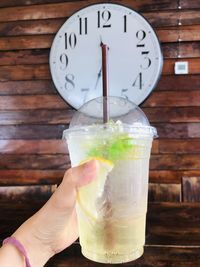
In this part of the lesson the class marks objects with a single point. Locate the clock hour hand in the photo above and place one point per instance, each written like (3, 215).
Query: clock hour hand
(98, 78)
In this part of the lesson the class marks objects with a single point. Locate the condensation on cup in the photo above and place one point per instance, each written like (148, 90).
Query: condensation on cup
(112, 208)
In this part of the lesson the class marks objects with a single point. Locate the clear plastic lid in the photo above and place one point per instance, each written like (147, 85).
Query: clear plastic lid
(122, 113)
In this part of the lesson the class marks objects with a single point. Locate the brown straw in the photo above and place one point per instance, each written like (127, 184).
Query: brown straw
(104, 49)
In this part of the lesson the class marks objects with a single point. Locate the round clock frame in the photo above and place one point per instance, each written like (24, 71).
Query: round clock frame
(134, 54)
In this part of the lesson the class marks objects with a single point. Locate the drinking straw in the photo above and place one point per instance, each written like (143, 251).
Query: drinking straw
(104, 50)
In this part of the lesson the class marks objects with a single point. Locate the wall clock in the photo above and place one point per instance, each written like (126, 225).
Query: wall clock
(134, 57)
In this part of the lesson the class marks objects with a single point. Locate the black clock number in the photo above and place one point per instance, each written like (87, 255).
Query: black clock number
(123, 93)
(140, 36)
(63, 61)
(69, 78)
(146, 63)
(103, 19)
(125, 23)
(83, 26)
(147, 59)
(69, 84)
(138, 81)
(70, 40)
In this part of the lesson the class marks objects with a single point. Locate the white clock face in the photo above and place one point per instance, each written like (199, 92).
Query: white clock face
(134, 55)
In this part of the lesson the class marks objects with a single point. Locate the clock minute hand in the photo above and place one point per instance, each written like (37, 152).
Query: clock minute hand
(100, 71)
(98, 78)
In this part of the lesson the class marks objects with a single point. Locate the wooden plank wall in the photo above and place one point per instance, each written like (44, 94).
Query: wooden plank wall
(33, 115)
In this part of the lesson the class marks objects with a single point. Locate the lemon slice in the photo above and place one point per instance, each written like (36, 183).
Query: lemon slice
(87, 195)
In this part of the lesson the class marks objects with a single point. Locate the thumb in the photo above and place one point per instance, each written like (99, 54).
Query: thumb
(65, 195)
(82, 174)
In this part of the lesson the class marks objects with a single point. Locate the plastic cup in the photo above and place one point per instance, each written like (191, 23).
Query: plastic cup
(112, 209)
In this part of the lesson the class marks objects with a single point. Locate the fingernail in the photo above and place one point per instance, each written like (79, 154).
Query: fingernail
(91, 166)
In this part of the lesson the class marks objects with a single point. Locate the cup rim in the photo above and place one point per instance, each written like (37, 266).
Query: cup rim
(142, 130)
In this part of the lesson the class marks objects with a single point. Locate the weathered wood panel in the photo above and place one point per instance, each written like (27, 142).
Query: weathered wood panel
(142, 4)
(178, 130)
(173, 99)
(179, 146)
(17, 212)
(30, 177)
(157, 192)
(173, 224)
(169, 18)
(35, 12)
(34, 147)
(155, 147)
(27, 177)
(181, 50)
(157, 99)
(61, 161)
(189, 33)
(36, 177)
(30, 27)
(32, 102)
(34, 162)
(22, 193)
(173, 114)
(36, 116)
(11, 3)
(179, 33)
(32, 131)
(193, 64)
(26, 42)
(48, 131)
(189, 4)
(63, 10)
(175, 162)
(164, 192)
(24, 57)
(60, 115)
(29, 87)
(179, 83)
(171, 176)
(189, 49)
(191, 189)
(24, 72)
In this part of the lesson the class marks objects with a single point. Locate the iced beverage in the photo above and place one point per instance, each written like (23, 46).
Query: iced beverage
(112, 209)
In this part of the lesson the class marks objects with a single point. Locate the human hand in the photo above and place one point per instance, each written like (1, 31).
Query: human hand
(54, 226)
